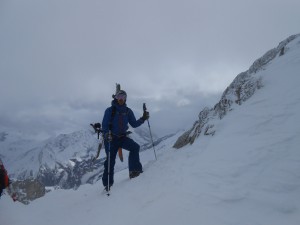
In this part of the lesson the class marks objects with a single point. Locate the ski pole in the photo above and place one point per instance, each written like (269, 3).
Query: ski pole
(144, 108)
(108, 174)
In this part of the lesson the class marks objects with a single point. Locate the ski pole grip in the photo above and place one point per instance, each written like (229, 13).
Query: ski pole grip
(144, 107)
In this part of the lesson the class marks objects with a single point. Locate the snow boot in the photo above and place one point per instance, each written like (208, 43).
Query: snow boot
(106, 188)
(133, 174)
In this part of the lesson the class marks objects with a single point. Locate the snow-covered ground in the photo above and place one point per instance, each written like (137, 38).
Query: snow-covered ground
(248, 173)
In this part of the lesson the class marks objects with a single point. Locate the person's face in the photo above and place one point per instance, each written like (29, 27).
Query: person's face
(121, 99)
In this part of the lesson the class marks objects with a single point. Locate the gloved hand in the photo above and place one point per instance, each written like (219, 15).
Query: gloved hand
(108, 137)
(145, 116)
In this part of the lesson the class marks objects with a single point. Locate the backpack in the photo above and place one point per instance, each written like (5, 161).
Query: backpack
(4, 181)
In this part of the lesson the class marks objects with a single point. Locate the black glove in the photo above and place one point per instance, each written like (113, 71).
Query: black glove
(145, 116)
(108, 137)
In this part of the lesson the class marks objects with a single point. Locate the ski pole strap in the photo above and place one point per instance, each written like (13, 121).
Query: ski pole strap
(113, 112)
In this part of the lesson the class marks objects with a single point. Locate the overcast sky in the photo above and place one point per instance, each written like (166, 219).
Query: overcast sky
(60, 59)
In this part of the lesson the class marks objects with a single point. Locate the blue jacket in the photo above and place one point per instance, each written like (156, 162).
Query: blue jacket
(123, 115)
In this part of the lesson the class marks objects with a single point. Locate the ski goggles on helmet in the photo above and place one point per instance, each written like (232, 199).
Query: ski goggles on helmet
(121, 96)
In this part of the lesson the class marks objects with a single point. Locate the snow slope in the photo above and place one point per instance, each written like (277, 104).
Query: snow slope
(248, 173)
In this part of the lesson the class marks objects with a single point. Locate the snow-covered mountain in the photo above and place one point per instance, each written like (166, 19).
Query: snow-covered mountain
(239, 91)
(25, 157)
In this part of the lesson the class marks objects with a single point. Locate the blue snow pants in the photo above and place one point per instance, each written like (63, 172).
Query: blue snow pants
(128, 144)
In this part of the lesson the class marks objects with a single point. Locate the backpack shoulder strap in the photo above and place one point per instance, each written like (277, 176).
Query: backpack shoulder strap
(113, 113)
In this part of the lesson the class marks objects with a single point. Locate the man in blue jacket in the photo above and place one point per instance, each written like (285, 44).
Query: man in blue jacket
(114, 126)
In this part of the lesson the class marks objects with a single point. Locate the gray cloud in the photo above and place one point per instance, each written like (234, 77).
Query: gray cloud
(60, 60)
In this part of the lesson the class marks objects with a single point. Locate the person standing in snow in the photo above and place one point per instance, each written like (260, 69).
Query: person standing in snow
(114, 127)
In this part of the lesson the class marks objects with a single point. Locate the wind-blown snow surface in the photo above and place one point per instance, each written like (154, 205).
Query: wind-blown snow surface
(248, 173)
